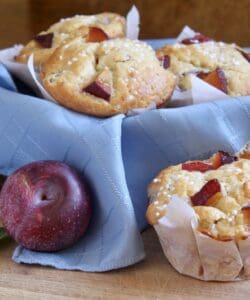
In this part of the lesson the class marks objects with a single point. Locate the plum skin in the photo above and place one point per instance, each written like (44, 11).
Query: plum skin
(45, 206)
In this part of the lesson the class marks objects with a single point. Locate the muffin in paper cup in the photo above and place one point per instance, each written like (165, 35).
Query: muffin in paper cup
(28, 68)
(201, 213)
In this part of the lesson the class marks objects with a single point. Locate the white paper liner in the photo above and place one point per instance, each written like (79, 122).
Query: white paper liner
(181, 98)
(133, 23)
(204, 92)
(197, 255)
(244, 249)
(25, 72)
(186, 33)
(36, 78)
(7, 58)
(220, 260)
(177, 239)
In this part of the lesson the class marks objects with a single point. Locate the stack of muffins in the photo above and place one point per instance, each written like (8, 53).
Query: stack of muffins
(87, 64)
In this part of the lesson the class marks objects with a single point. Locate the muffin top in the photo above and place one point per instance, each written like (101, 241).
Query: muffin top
(106, 78)
(92, 28)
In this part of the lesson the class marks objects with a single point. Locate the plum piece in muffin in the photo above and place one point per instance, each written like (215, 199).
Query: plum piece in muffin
(218, 189)
(92, 28)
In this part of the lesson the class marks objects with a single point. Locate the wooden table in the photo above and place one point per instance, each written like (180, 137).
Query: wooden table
(153, 278)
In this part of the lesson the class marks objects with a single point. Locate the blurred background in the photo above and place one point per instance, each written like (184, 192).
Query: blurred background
(227, 20)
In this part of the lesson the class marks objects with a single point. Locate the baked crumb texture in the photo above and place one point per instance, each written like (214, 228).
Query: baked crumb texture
(220, 196)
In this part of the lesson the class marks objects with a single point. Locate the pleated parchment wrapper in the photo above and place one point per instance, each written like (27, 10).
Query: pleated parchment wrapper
(197, 255)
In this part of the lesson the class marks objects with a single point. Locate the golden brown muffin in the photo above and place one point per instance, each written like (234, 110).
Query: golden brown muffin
(92, 28)
(218, 190)
(222, 65)
(106, 78)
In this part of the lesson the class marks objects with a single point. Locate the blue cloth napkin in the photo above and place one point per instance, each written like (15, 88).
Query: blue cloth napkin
(119, 156)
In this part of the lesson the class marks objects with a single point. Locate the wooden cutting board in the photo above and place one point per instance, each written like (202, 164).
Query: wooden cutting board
(153, 278)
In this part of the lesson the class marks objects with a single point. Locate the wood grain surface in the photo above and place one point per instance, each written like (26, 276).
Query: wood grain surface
(153, 278)
(226, 20)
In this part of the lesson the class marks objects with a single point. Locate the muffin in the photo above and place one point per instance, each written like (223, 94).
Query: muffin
(92, 28)
(215, 193)
(106, 78)
(225, 66)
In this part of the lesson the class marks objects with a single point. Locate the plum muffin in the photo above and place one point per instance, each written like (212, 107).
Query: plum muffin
(92, 28)
(225, 66)
(107, 78)
(218, 189)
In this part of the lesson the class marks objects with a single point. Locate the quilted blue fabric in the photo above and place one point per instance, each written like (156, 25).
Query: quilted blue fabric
(118, 155)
